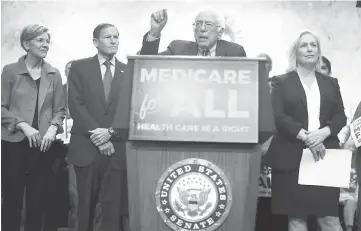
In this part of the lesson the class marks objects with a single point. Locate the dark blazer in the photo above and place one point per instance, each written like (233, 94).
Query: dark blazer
(18, 100)
(89, 109)
(181, 47)
(290, 114)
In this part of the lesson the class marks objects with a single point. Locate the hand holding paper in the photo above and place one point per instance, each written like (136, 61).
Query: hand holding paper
(332, 171)
(318, 152)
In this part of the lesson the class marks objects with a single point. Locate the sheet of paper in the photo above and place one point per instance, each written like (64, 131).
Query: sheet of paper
(332, 171)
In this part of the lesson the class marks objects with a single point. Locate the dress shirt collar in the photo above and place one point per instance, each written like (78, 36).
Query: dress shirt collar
(102, 60)
(212, 50)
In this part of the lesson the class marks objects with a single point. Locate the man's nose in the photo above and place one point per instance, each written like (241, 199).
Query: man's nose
(203, 27)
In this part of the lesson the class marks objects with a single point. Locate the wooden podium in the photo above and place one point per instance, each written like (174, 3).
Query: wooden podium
(178, 109)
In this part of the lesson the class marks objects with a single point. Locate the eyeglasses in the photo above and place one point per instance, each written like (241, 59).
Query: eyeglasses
(42, 41)
(207, 25)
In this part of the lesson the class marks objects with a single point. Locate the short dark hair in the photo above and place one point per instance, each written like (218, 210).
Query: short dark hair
(327, 63)
(101, 26)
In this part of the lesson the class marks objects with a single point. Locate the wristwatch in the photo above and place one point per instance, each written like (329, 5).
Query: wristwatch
(111, 131)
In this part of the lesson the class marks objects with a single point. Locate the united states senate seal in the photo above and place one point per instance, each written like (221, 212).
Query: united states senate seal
(193, 194)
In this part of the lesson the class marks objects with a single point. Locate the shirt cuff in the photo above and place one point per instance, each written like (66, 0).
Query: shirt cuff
(344, 134)
(151, 38)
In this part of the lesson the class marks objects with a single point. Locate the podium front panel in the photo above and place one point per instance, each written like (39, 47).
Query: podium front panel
(148, 161)
(153, 150)
(197, 100)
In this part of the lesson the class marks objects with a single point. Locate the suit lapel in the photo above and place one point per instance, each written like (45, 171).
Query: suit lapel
(322, 88)
(118, 77)
(357, 112)
(299, 88)
(96, 79)
(192, 49)
(219, 49)
(45, 83)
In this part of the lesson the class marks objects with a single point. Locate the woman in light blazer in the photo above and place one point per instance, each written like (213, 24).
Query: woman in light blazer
(32, 113)
(309, 113)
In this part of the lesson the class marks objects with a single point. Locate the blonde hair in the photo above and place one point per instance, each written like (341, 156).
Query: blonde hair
(32, 31)
(292, 57)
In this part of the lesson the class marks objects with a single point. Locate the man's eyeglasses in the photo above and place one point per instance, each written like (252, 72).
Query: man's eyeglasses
(42, 41)
(207, 25)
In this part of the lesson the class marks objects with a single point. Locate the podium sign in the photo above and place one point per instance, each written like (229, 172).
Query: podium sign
(201, 100)
(221, 108)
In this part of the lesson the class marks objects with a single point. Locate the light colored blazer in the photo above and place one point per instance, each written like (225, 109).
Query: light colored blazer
(18, 100)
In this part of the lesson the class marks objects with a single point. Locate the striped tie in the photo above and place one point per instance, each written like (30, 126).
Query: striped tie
(107, 80)
(206, 52)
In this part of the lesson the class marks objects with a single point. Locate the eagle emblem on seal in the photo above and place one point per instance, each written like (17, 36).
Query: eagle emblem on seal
(192, 201)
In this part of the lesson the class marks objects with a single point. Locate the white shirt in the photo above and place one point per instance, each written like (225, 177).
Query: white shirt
(103, 68)
(313, 105)
(212, 51)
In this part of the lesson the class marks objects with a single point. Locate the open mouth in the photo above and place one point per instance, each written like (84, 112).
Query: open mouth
(203, 38)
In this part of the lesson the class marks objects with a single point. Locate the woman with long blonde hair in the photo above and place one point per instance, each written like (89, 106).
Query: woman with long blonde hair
(309, 113)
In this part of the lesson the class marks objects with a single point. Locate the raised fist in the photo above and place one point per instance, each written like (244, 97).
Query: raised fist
(158, 20)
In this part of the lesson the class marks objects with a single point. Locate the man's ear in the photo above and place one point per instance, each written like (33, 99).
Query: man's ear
(220, 32)
(95, 42)
(26, 45)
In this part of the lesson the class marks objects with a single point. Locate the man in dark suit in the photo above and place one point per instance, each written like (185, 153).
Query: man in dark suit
(99, 165)
(208, 28)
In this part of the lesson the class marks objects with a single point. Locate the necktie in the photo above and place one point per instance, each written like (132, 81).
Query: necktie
(206, 52)
(107, 80)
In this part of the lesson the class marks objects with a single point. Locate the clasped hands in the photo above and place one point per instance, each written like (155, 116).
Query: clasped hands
(100, 137)
(34, 136)
(314, 141)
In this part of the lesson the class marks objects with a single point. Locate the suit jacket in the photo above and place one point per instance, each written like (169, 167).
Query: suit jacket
(290, 113)
(18, 100)
(181, 47)
(89, 109)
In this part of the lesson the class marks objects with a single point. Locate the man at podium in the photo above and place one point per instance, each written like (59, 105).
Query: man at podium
(208, 27)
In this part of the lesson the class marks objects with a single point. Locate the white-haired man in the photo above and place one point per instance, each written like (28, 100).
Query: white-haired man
(208, 27)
